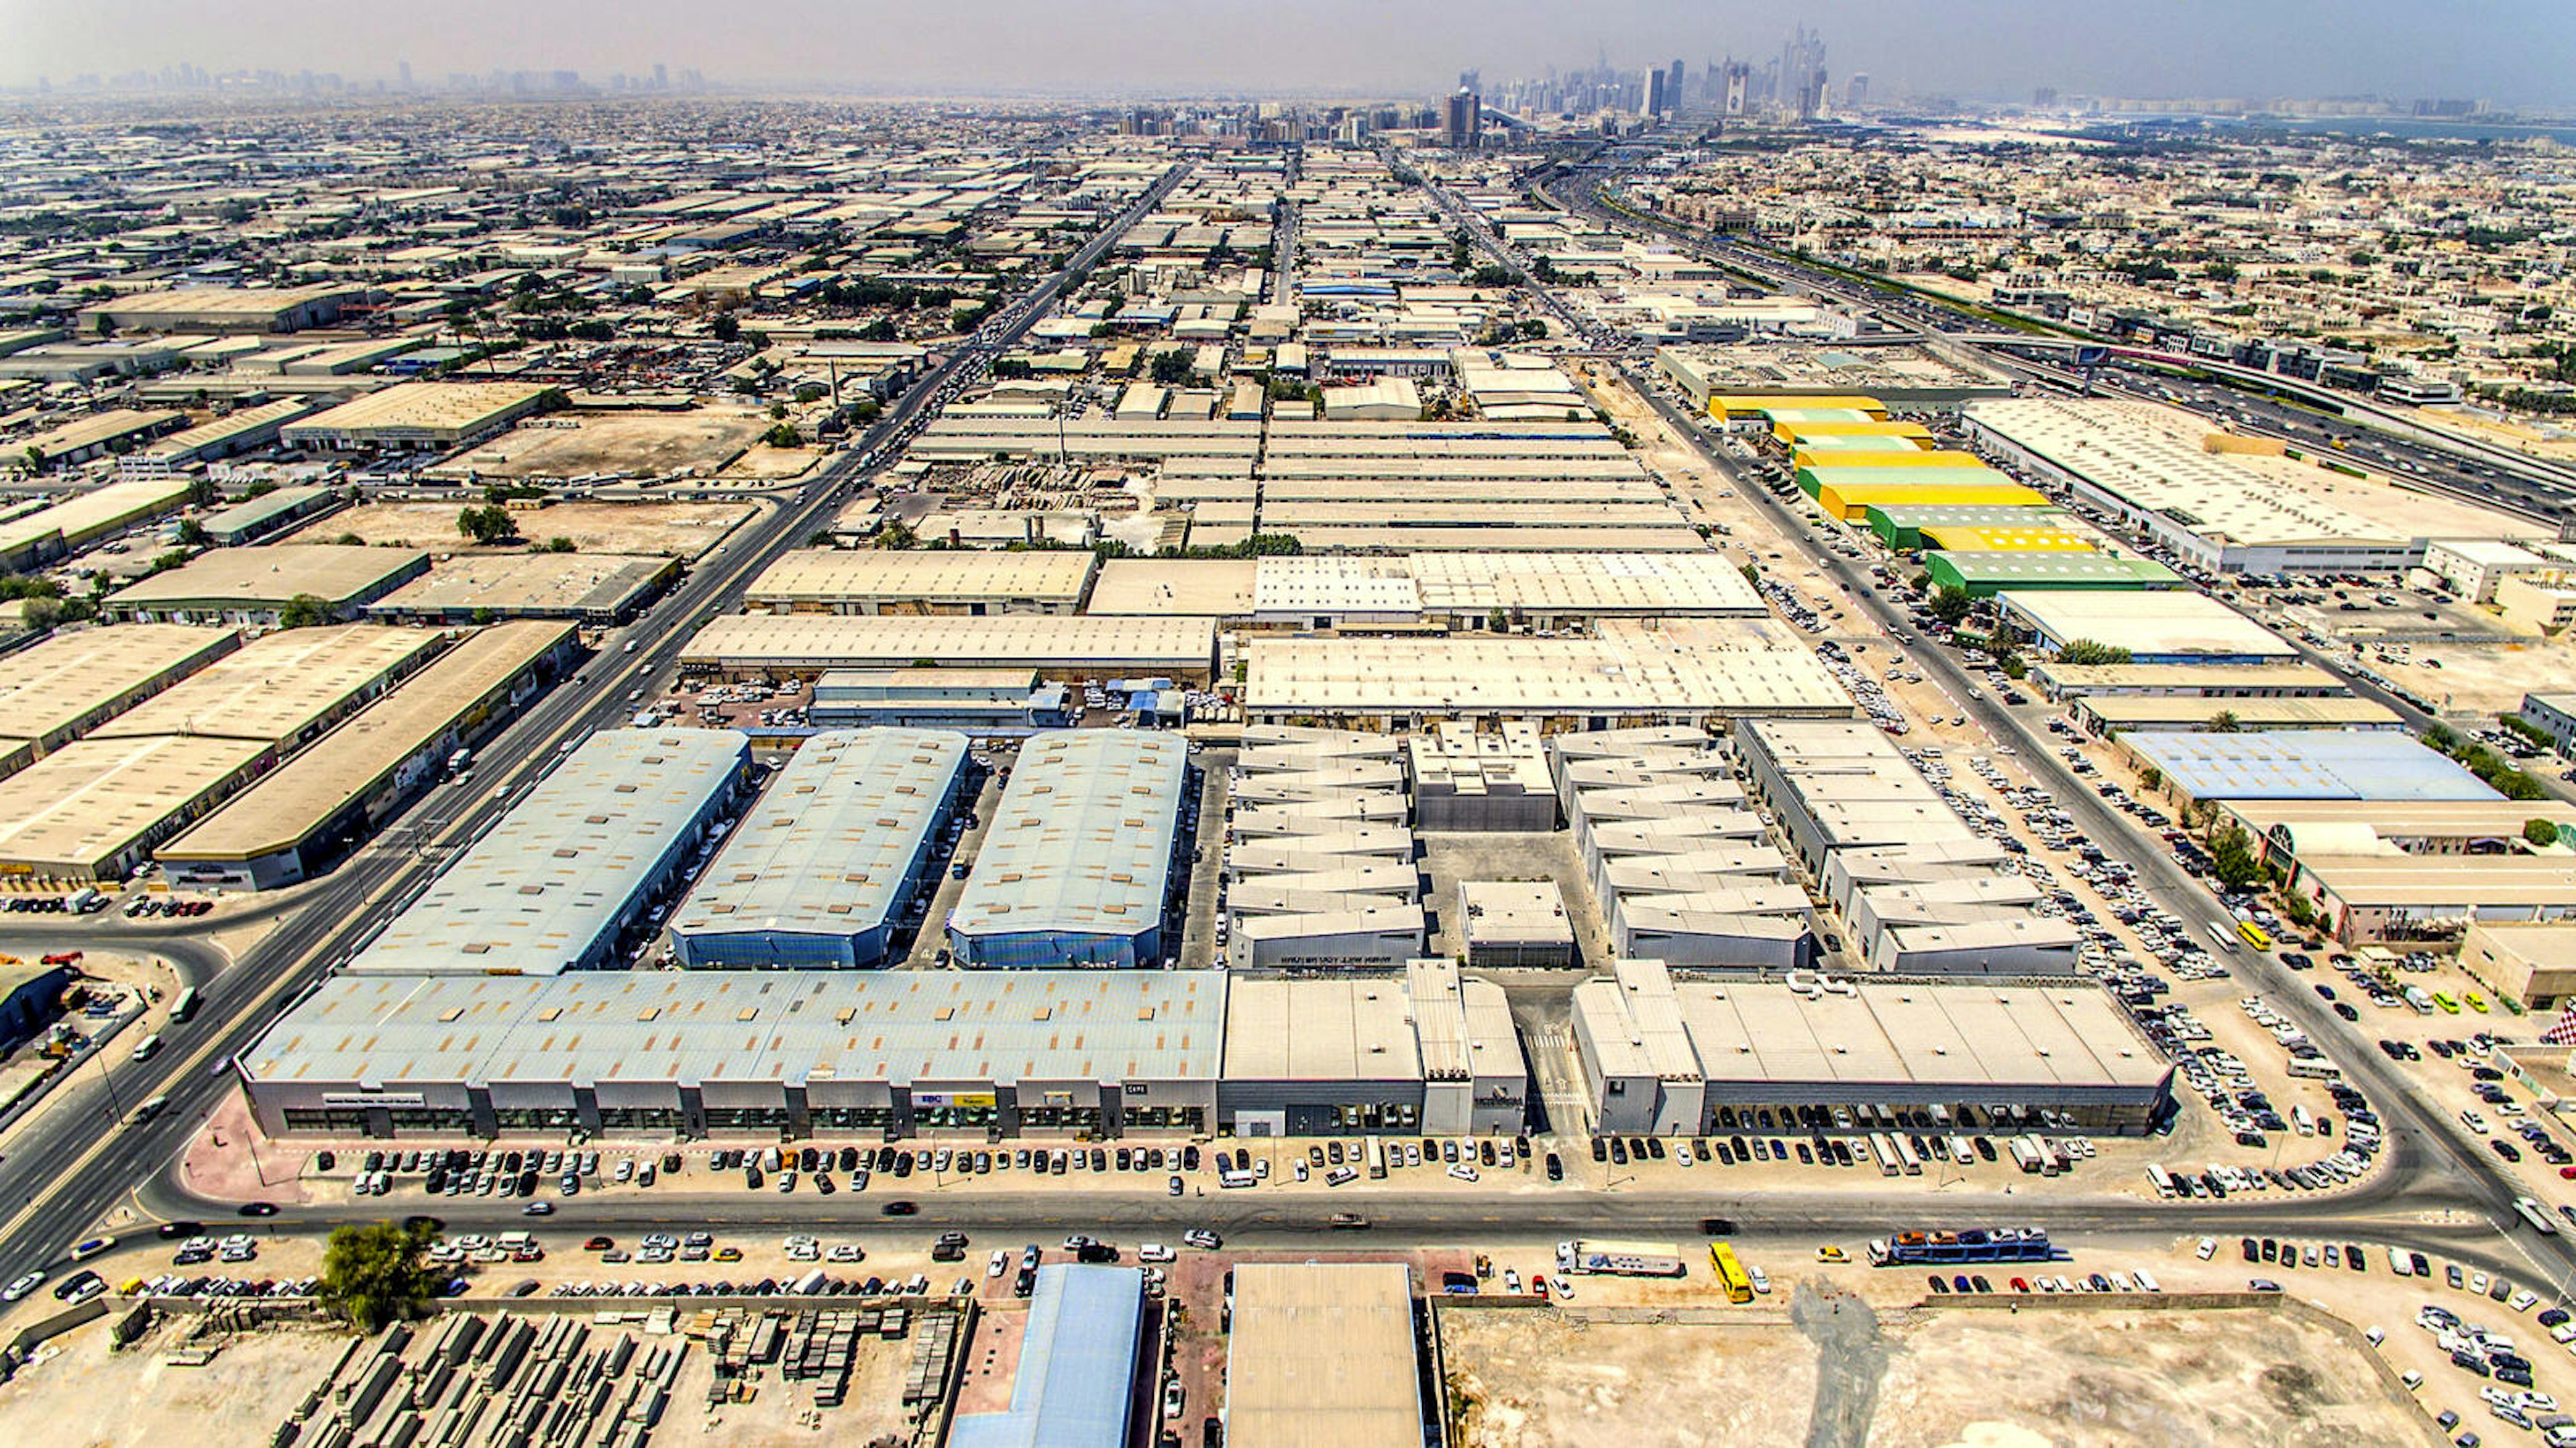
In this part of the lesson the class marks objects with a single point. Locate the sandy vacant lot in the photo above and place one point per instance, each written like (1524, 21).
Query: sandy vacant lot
(681, 529)
(83, 1396)
(1836, 1375)
(630, 444)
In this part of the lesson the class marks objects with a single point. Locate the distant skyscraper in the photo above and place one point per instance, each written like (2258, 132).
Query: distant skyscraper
(1655, 93)
(1856, 90)
(661, 76)
(1739, 80)
(1465, 122)
(403, 69)
(2044, 98)
(1471, 80)
(1674, 76)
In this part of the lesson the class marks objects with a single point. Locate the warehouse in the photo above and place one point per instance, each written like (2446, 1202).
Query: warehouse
(1218, 588)
(238, 431)
(76, 522)
(1983, 574)
(2158, 626)
(1318, 863)
(572, 871)
(1466, 779)
(1898, 374)
(252, 519)
(772, 646)
(1076, 866)
(93, 809)
(1849, 493)
(418, 415)
(1323, 1353)
(1074, 1385)
(2060, 680)
(825, 868)
(2374, 765)
(1424, 1051)
(2156, 470)
(252, 587)
(2002, 538)
(1628, 673)
(55, 691)
(597, 589)
(1088, 440)
(282, 690)
(764, 1056)
(1900, 525)
(97, 434)
(302, 817)
(2420, 901)
(225, 309)
(2287, 831)
(982, 702)
(2532, 965)
(1515, 925)
(2103, 715)
(972, 582)
(1691, 1055)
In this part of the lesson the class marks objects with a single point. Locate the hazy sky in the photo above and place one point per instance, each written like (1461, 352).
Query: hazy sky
(2512, 51)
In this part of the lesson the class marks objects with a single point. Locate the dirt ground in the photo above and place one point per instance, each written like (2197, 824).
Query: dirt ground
(2098, 1379)
(768, 463)
(681, 529)
(80, 1395)
(637, 445)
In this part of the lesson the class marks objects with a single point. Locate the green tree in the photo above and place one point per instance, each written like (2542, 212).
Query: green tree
(727, 327)
(488, 524)
(783, 435)
(35, 457)
(1171, 368)
(192, 534)
(2543, 833)
(376, 1274)
(2151, 778)
(2231, 854)
(305, 610)
(1952, 605)
(557, 545)
(897, 535)
(2224, 722)
(2089, 651)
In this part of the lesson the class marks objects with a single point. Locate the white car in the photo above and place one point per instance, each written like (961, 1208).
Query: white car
(1761, 1280)
(1154, 1252)
(2208, 1247)
(999, 1263)
(1463, 1172)
(22, 1287)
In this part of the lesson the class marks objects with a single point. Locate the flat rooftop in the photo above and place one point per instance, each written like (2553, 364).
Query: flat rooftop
(1322, 1355)
(1894, 1032)
(905, 1028)
(1709, 669)
(1335, 1029)
(294, 803)
(1116, 646)
(279, 687)
(93, 799)
(411, 408)
(269, 576)
(1174, 587)
(561, 585)
(2374, 764)
(831, 843)
(1081, 840)
(823, 576)
(51, 686)
(2150, 624)
(539, 891)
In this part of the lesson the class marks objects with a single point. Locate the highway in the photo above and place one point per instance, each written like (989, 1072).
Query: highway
(61, 1173)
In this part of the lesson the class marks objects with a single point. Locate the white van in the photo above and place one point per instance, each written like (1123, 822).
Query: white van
(148, 1047)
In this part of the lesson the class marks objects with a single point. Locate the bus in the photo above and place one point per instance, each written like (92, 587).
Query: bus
(1376, 1159)
(2253, 935)
(1884, 1149)
(2225, 937)
(1906, 1157)
(2163, 1180)
(2538, 1219)
(184, 1006)
(1730, 1273)
(2309, 1068)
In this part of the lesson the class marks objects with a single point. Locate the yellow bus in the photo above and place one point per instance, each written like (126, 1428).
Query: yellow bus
(2254, 935)
(1730, 1273)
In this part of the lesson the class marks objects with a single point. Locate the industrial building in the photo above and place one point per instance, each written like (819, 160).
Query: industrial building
(252, 587)
(1080, 1351)
(282, 690)
(746, 646)
(1689, 1055)
(2177, 626)
(54, 691)
(252, 519)
(1323, 1355)
(1628, 673)
(304, 815)
(2532, 965)
(982, 702)
(412, 416)
(96, 434)
(1466, 591)
(1677, 860)
(971, 582)
(1900, 525)
(1467, 779)
(2061, 681)
(1929, 900)
(695, 1054)
(1423, 1052)
(572, 871)
(2103, 715)
(597, 589)
(67, 527)
(1076, 865)
(827, 865)
(2157, 471)
(1319, 865)
(225, 309)
(1515, 925)
(2302, 764)
(92, 810)
(1984, 573)
(1900, 375)
(2552, 714)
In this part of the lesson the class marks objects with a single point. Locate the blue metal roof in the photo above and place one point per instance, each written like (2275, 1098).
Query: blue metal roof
(2370, 764)
(1077, 1372)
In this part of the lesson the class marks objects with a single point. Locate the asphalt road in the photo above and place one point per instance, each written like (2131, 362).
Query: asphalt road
(62, 1173)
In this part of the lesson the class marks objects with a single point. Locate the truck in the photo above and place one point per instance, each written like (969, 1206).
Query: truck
(1968, 1244)
(2417, 997)
(1597, 1256)
(2026, 1154)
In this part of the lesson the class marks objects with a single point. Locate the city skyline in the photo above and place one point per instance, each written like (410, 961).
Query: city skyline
(1987, 48)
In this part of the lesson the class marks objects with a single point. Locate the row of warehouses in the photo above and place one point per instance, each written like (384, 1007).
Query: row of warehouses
(1319, 855)
(134, 733)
